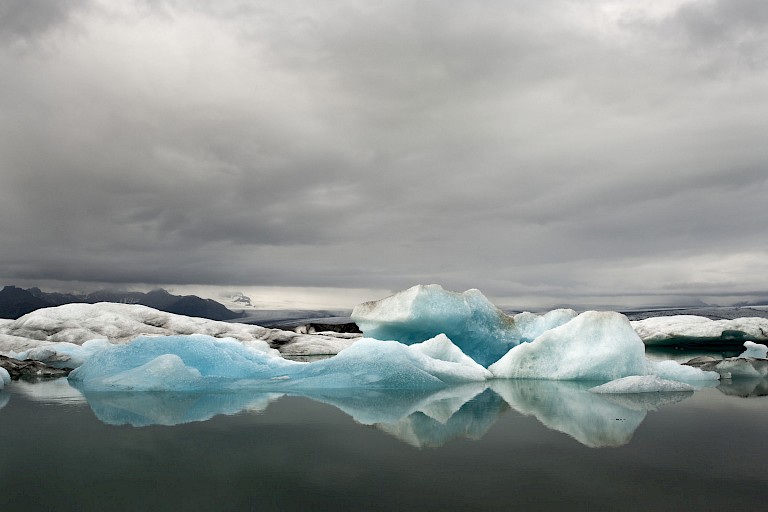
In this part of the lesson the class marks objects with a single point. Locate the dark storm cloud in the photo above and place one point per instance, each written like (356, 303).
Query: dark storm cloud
(559, 148)
(27, 19)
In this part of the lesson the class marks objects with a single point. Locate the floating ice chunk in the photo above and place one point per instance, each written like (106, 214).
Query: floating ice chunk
(195, 363)
(691, 329)
(641, 384)
(671, 370)
(477, 327)
(593, 346)
(5, 377)
(740, 367)
(732, 367)
(216, 363)
(755, 350)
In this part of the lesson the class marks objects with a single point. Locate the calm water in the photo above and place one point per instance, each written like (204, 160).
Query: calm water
(538, 445)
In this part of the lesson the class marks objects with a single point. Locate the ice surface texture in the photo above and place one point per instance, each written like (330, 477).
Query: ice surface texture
(469, 319)
(194, 363)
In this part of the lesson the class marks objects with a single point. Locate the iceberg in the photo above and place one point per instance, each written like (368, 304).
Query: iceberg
(754, 350)
(76, 324)
(732, 367)
(697, 330)
(480, 329)
(593, 346)
(672, 370)
(197, 363)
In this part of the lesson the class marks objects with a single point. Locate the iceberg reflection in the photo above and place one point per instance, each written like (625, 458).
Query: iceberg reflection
(590, 419)
(424, 419)
(169, 408)
(430, 429)
(744, 388)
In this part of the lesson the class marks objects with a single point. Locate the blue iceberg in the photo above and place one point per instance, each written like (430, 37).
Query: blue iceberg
(198, 362)
(479, 328)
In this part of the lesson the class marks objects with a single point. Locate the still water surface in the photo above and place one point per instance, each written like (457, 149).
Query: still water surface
(511, 444)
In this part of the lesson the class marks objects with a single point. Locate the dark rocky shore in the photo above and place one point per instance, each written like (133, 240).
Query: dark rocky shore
(31, 370)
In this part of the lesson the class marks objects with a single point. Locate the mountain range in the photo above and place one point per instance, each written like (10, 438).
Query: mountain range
(16, 302)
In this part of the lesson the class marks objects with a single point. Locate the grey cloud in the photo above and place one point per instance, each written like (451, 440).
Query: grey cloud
(500, 145)
(27, 19)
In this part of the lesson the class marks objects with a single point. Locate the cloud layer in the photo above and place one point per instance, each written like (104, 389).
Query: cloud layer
(560, 148)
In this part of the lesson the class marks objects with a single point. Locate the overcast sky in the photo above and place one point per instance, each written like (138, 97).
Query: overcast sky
(547, 151)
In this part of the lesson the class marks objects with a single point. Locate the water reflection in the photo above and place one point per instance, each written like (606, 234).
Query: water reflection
(568, 407)
(424, 419)
(424, 429)
(744, 388)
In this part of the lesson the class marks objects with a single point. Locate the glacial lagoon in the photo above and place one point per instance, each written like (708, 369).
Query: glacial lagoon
(497, 445)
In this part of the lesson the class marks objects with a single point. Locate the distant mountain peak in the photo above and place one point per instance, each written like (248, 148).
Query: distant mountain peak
(16, 302)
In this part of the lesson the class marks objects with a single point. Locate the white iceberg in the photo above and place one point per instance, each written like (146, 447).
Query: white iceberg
(672, 370)
(120, 323)
(691, 329)
(641, 384)
(593, 346)
(469, 319)
(755, 350)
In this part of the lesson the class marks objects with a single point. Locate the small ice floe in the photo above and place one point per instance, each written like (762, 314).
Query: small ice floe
(751, 363)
